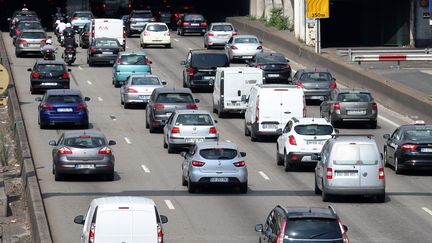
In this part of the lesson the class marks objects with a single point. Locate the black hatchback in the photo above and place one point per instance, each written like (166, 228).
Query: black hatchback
(49, 75)
(103, 50)
(275, 67)
(192, 23)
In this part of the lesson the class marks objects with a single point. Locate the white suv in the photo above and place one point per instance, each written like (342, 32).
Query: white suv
(300, 139)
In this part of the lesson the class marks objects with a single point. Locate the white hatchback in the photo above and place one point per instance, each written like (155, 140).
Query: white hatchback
(155, 34)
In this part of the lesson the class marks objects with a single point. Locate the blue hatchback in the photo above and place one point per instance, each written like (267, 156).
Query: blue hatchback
(129, 63)
(63, 106)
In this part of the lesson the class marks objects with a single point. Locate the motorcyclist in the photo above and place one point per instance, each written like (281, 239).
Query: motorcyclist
(61, 26)
(48, 47)
(69, 31)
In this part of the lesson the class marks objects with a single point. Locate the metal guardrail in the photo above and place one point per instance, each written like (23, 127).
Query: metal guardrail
(345, 52)
(390, 57)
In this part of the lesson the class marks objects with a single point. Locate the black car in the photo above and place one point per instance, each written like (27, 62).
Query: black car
(192, 23)
(409, 147)
(19, 15)
(165, 17)
(137, 20)
(302, 224)
(26, 25)
(200, 68)
(49, 75)
(103, 50)
(84, 37)
(275, 67)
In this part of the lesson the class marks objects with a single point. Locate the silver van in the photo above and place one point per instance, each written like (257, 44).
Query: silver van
(350, 165)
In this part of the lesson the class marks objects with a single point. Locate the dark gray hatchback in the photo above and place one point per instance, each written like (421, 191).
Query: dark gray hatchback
(316, 82)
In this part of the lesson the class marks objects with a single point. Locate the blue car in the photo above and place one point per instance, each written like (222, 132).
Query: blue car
(63, 106)
(129, 63)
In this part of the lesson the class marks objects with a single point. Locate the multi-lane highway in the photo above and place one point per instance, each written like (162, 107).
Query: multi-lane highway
(144, 168)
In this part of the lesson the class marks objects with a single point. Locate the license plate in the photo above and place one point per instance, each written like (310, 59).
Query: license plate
(317, 98)
(48, 84)
(233, 104)
(34, 45)
(314, 142)
(346, 173)
(217, 179)
(208, 77)
(356, 112)
(157, 40)
(107, 52)
(195, 24)
(64, 110)
(247, 57)
(270, 126)
(84, 166)
(194, 140)
(273, 75)
(426, 150)
(143, 97)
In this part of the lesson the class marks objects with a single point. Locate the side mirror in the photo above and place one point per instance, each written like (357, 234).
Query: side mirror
(333, 79)
(164, 82)
(243, 98)
(260, 41)
(164, 219)
(69, 70)
(386, 136)
(287, 60)
(52, 143)
(279, 131)
(183, 62)
(315, 157)
(151, 62)
(86, 98)
(197, 101)
(243, 154)
(215, 121)
(112, 142)
(336, 130)
(238, 92)
(345, 228)
(29, 69)
(259, 228)
(38, 99)
(183, 154)
(79, 219)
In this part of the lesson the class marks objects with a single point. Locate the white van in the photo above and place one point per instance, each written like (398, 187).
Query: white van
(231, 88)
(109, 28)
(270, 106)
(122, 219)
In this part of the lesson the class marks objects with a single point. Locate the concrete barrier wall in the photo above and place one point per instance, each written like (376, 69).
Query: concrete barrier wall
(389, 93)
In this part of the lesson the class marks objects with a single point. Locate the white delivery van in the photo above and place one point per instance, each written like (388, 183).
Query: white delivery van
(109, 28)
(122, 219)
(270, 106)
(231, 88)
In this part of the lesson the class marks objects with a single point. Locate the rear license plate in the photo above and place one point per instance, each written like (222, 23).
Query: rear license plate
(314, 142)
(217, 179)
(48, 84)
(64, 110)
(194, 24)
(143, 97)
(272, 75)
(84, 166)
(247, 57)
(426, 150)
(270, 126)
(194, 140)
(233, 104)
(346, 173)
(107, 52)
(317, 98)
(34, 45)
(356, 112)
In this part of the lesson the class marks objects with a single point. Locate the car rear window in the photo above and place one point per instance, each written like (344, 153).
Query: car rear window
(133, 60)
(316, 77)
(109, 43)
(83, 15)
(354, 97)
(165, 14)
(314, 129)
(50, 68)
(246, 40)
(419, 134)
(312, 228)
(193, 17)
(27, 25)
(85, 142)
(157, 27)
(142, 15)
(194, 120)
(220, 27)
(33, 35)
(218, 153)
(63, 99)
(355, 154)
(210, 60)
(269, 59)
(175, 98)
(27, 17)
(145, 81)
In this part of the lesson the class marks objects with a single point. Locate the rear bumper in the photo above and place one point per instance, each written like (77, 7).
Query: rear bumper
(34, 50)
(217, 41)
(136, 98)
(236, 178)
(317, 94)
(194, 29)
(46, 119)
(49, 84)
(70, 168)
(271, 77)
(100, 58)
(354, 191)
(366, 118)
(258, 130)
(244, 54)
(180, 142)
(302, 157)
(163, 41)
(414, 162)
(201, 83)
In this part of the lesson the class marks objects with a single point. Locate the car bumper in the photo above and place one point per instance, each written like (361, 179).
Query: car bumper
(153, 41)
(303, 157)
(217, 41)
(234, 107)
(72, 168)
(273, 77)
(316, 95)
(98, 58)
(35, 50)
(136, 28)
(415, 162)
(260, 131)
(80, 119)
(122, 77)
(49, 84)
(244, 54)
(202, 83)
(194, 29)
(354, 191)
(179, 142)
(233, 178)
(137, 98)
(348, 118)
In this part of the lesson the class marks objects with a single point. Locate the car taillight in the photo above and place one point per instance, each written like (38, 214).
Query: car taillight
(185, 24)
(131, 90)
(105, 150)
(210, 34)
(343, 232)
(17, 32)
(153, 19)
(119, 61)
(329, 174)
(409, 147)
(292, 140)
(300, 85)
(191, 106)
(104, 6)
(198, 163)
(191, 71)
(333, 85)
(147, 61)
(240, 164)
(212, 130)
(120, 49)
(160, 233)
(381, 173)
(132, 19)
(261, 66)
(204, 24)
(234, 47)
(81, 106)
(259, 48)
(86, 33)
(257, 110)
(65, 75)
(146, 33)
(286, 66)
(167, 33)
(234, 34)
(64, 150)
(73, 18)
(374, 107)
(43, 42)
(92, 233)
(158, 106)
(93, 50)
(35, 75)
(175, 130)
(47, 107)
(336, 106)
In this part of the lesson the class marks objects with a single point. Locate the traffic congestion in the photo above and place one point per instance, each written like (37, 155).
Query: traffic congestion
(151, 128)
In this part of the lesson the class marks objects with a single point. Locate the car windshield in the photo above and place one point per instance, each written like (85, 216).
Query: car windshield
(316, 77)
(83, 15)
(355, 154)
(175, 98)
(271, 59)
(194, 17)
(246, 40)
(419, 134)
(33, 35)
(31, 25)
(84, 142)
(210, 60)
(220, 27)
(312, 228)
(133, 60)
(314, 129)
(142, 15)
(107, 43)
(145, 81)
(194, 120)
(47, 68)
(354, 97)
(63, 99)
(218, 153)
(27, 17)
(157, 27)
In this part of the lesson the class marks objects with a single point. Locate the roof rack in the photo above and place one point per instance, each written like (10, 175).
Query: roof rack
(353, 135)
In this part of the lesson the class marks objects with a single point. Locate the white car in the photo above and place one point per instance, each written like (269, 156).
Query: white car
(155, 34)
(301, 139)
(138, 88)
(218, 34)
(243, 47)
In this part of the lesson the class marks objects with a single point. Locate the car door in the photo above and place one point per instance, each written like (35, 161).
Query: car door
(320, 166)
(392, 145)
(284, 137)
(187, 66)
(228, 47)
(268, 228)
(250, 107)
(326, 104)
(188, 160)
(168, 126)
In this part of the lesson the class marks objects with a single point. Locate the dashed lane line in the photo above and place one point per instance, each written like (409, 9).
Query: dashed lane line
(89, 82)
(128, 141)
(169, 204)
(99, 98)
(264, 175)
(427, 210)
(146, 170)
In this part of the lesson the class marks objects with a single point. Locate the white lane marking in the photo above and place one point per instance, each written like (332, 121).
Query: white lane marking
(264, 175)
(128, 141)
(176, 39)
(80, 68)
(89, 82)
(427, 210)
(426, 72)
(146, 170)
(99, 98)
(169, 204)
(190, 48)
(388, 121)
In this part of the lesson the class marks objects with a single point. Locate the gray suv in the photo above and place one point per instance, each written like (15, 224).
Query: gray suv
(316, 82)
(350, 105)
(350, 165)
(163, 101)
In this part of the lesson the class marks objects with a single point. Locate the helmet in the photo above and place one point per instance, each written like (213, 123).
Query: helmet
(49, 42)
(68, 25)
(57, 21)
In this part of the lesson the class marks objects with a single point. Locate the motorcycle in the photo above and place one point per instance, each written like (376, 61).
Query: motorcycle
(48, 54)
(69, 55)
(60, 38)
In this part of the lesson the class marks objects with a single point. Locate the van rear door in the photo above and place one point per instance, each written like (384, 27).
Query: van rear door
(233, 83)
(270, 108)
(343, 163)
(371, 163)
(110, 28)
(292, 105)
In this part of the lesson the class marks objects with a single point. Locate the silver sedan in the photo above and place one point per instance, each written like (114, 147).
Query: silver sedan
(138, 88)
(218, 34)
(184, 128)
(243, 47)
(214, 163)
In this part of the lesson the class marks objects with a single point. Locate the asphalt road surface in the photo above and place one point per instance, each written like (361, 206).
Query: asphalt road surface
(144, 168)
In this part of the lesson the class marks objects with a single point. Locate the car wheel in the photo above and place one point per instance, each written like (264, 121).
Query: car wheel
(184, 182)
(165, 145)
(321, 114)
(168, 45)
(325, 196)
(386, 164)
(32, 91)
(253, 136)
(144, 45)
(317, 190)
(191, 186)
(214, 107)
(221, 114)
(85, 126)
(243, 188)
(380, 198)
(287, 162)
(170, 149)
(116, 84)
(147, 122)
(42, 126)
(397, 169)
(53, 169)
(121, 101)
(57, 176)
(279, 159)
(17, 54)
(184, 83)
(335, 124)
(373, 125)
(246, 130)
(125, 105)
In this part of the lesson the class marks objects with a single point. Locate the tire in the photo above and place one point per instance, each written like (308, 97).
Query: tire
(191, 187)
(109, 177)
(253, 136)
(116, 84)
(121, 102)
(243, 188)
(221, 114)
(317, 190)
(125, 105)
(206, 46)
(373, 125)
(42, 126)
(147, 123)
(397, 169)
(184, 182)
(170, 149)
(32, 91)
(168, 46)
(184, 83)
(57, 176)
(144, 46)
(386, 164)
(246, 130)
(85, 126)
(325, 197)
(287, 164)
(335, 124)
(380, 198)
(279, 160)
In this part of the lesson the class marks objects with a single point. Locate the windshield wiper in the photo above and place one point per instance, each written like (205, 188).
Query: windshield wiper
(320, 234)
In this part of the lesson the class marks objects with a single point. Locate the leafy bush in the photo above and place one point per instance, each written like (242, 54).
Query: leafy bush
(278, 20)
